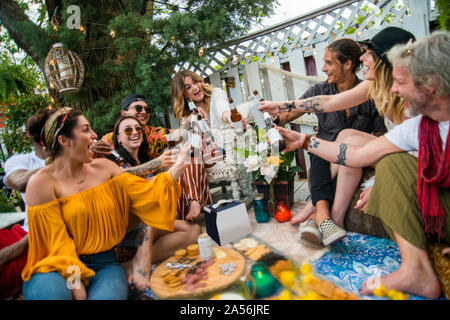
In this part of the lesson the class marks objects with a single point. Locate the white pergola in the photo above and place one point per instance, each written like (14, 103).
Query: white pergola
(307, 35)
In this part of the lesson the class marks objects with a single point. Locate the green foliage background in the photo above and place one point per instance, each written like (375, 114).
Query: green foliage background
(151, 38)
(443, 7)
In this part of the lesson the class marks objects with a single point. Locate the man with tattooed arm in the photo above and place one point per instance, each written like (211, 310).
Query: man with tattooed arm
(341, 61)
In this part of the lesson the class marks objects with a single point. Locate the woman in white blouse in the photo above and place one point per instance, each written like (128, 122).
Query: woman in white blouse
(211, 102)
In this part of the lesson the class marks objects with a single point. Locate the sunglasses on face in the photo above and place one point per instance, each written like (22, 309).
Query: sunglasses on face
(129, 130)
(139, 109)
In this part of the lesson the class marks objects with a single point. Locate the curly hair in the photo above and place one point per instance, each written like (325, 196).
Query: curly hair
(179, 103)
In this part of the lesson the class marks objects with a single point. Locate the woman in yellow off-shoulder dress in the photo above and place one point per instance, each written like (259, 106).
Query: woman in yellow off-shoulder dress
(78, 210)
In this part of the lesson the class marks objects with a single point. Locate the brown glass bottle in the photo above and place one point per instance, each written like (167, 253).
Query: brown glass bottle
(236, 118)
(257, 95)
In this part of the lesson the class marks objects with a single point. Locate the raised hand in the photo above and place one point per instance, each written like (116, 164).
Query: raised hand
(183, 161)
(272, 107)
(101, 149)
(363, 198)
(293, 139)
(169, 157)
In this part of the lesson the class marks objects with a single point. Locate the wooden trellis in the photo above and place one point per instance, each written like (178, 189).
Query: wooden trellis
(255, 61)
(310, 33)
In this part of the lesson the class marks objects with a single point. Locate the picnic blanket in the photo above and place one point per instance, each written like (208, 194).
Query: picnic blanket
(352, 260)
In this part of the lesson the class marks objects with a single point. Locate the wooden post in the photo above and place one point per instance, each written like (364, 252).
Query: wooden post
(297, 64)
(274, 81)
(215, 80)
(253, 78)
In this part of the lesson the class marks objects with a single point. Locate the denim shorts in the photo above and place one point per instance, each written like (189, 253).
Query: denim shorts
(108, 283)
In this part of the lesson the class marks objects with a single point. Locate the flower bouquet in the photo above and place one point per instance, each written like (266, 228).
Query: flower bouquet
(268, 169)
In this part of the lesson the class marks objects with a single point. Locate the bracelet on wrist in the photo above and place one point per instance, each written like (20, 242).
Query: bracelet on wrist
(305, 144)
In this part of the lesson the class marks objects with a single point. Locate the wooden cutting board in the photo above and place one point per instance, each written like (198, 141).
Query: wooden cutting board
(216, 280)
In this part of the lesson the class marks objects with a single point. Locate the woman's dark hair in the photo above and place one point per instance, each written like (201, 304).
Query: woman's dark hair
(58, 122)
(143, 148)
(35, 123)
(346, 49)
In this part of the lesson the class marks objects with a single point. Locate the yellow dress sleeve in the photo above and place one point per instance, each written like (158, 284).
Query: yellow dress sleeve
(50, 248)
(155, 202)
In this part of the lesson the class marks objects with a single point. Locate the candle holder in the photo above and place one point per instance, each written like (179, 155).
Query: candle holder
(258, 207)
(282, 212)
(261, 282)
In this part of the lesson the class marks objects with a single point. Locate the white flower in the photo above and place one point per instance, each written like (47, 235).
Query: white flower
(262, 146)
(252, 163)
(268, 172)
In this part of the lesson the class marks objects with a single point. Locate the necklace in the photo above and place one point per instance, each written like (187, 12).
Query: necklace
(81, 181)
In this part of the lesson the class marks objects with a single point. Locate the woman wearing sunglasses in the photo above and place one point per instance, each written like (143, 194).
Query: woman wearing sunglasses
(128, 142)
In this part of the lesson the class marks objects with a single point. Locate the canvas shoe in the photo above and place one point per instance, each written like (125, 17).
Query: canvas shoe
(331, 232)
(310, 232)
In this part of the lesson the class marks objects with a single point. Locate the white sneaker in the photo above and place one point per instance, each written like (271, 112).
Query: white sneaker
(331, 232)
(310, 232)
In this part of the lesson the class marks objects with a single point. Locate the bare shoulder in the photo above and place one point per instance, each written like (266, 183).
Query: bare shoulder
(40, 188)
(106, 166)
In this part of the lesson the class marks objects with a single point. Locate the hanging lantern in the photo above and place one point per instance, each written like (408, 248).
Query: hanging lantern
(64, 69)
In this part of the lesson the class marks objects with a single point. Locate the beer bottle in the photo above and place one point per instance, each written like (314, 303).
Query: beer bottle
(257, 95)
(200, 120)
(277, 142)
(236, 118)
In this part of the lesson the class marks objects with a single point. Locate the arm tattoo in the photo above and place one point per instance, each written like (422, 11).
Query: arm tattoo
(311, 105)
(313, 143)
(142, 272)
(145, 169)
(342, 154)
(143, 236)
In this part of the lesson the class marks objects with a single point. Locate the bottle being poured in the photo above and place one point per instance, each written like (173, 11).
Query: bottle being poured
(276, 140)
(203, 124)
(236, 118)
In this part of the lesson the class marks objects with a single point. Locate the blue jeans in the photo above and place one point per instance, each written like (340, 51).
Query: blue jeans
(108, 283)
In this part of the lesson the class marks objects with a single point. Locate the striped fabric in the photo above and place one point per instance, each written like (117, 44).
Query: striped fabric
(194, 186)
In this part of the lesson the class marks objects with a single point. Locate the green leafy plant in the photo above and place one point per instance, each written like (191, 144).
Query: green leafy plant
(17, 113)
(443, 7)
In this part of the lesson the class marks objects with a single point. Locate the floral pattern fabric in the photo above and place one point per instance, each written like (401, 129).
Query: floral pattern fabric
(356, 258)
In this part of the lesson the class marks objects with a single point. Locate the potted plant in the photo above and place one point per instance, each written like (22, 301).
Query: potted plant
(273, 175)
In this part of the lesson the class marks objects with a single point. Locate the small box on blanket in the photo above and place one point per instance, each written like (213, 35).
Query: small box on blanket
(227, 221)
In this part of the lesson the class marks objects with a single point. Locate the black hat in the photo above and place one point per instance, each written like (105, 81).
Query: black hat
(384, 40)
(129, 99)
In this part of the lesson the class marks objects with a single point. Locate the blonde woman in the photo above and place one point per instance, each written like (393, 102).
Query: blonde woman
(377, 86)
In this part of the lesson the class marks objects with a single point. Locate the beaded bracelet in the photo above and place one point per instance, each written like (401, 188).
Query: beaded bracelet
(305, 145)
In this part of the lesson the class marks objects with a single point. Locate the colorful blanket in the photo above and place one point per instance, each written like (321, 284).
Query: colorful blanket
(356, 258)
